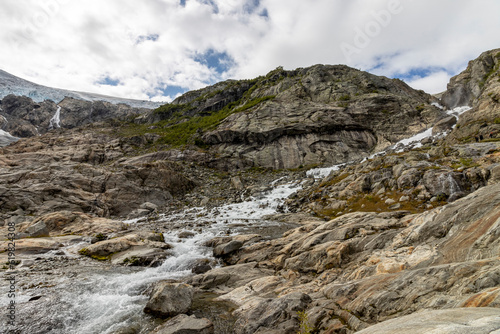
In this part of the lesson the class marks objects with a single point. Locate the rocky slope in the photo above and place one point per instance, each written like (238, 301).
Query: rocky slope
(85, 171)
(364, 268)
(479, 87)
(320, 114)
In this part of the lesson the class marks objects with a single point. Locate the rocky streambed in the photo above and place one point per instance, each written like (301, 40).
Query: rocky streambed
(83, 274)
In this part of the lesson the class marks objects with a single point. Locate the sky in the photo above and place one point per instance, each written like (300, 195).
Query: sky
(158, 49)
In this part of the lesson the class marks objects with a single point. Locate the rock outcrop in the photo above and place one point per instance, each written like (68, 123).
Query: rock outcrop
(482, 320)
(320, 114)
(83, 171)
(363, 268)
(478, 87)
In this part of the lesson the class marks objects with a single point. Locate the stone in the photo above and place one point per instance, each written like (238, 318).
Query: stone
(446, 124)
(228, 248)
(396, 206)
(169, 299)
(184, 324)
(390, 201)
(140, 256)
(149, 206)
(457, 321)
(404, 199)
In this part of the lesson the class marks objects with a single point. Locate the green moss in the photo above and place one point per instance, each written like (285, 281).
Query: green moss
(84, 251)
(100, 237)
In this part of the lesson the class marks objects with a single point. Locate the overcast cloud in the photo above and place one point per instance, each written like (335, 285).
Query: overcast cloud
(156, 49)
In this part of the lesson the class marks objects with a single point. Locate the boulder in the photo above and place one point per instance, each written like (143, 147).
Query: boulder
(446, 124)
(169, 299)
(228, 248)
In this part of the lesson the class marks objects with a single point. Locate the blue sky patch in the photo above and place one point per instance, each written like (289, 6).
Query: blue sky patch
(108, 81)
(183, 3)
(144, 38)
(215, 8)
(219, 61)
(172, 91)
(421, 72)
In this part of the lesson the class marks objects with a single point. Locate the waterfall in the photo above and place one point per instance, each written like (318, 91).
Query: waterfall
(55, 121)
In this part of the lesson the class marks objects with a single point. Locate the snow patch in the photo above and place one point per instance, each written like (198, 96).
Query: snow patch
(321, 173)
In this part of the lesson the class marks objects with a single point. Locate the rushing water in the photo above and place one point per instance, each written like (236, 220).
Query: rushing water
(108, 299)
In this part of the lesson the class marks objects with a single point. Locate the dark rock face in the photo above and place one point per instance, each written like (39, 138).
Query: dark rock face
(466, 87)
(322, 114)
(26, 118)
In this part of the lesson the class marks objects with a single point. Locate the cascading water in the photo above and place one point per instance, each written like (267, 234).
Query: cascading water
(108, 299)
(55, 121)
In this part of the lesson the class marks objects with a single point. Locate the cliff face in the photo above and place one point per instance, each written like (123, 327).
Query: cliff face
(321, 114)
(478, 87)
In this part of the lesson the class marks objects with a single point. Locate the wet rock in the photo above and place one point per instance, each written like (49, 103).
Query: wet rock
(140, 256)
(226, 278)
(144, 243)
(184, 324)
(186, 234)
(169, 299)
(228, 248)
(444, 125)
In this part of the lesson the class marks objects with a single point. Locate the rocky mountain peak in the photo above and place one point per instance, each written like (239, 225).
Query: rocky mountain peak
(467, 87)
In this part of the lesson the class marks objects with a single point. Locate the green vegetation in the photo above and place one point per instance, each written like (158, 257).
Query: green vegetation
(175, 126)
(86, 252)
(305, 327)
(100, 237)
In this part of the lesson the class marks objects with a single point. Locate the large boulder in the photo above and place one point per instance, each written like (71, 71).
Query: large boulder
(169, 299)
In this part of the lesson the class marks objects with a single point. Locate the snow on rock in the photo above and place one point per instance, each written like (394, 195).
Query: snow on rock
(6, 138)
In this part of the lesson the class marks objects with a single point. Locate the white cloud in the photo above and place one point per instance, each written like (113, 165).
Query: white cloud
(433, 83)
(76, 44)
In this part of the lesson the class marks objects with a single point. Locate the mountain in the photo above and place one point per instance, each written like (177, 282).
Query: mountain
(10, 84)
(322, 114)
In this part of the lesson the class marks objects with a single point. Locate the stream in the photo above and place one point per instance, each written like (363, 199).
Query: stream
(85, 296)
